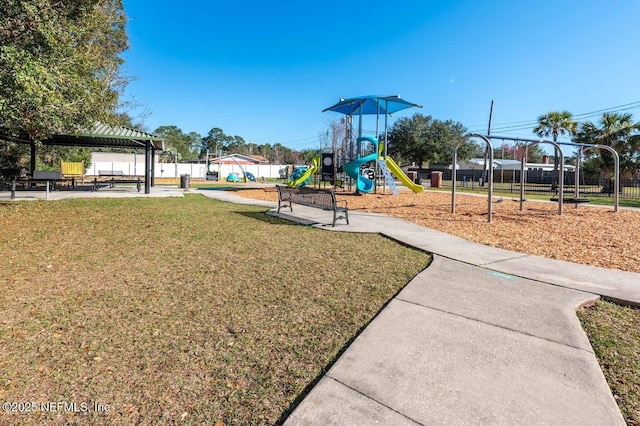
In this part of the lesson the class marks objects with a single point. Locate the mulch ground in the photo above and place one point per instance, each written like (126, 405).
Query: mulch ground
(587, 235)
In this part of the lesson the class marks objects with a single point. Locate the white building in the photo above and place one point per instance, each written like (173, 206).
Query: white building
(132, 164)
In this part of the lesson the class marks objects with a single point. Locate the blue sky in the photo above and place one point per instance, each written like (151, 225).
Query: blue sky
(265, 70)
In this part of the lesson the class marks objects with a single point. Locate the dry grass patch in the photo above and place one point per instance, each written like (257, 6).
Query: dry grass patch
(178, 310)
(586, 235)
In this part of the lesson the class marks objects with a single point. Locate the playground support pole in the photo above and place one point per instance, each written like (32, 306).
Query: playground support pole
(523, 180)
(244, 173)
(576, 177)
(490, 176)
(560, 155)
(359, 125)
(560, 181)
(386, 140)
(616, 172)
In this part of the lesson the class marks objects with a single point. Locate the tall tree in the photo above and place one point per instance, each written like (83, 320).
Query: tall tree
(195, 143)
(60, 64)
(178, 143)
(306, 156)
(215, 141)
(618, 131)
(423, 139)
(554, 124)
(236, 145)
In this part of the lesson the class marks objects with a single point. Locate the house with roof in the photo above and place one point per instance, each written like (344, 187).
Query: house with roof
(503, 170)
(506, 164)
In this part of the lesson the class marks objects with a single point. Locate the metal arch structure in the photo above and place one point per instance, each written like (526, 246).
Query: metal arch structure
(465, 138)
(583, 147)
(530, 142)
(523, 159)
(616, 169)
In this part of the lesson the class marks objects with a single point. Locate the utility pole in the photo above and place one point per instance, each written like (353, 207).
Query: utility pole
(490, 116)
(485, 170)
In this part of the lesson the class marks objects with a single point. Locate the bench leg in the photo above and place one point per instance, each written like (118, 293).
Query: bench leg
(282, 204)
(336, 217)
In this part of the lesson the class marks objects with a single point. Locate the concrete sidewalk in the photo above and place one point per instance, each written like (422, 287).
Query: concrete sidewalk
(482, 336)
(121, 191)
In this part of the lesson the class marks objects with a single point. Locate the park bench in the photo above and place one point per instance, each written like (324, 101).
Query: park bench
(116, 176)
(325, 200)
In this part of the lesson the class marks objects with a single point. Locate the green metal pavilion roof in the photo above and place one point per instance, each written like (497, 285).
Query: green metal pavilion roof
(103, 135)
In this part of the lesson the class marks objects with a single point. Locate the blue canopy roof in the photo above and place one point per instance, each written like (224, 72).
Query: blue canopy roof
(371, 104)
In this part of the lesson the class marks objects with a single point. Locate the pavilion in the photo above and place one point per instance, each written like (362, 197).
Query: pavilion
(103, 136)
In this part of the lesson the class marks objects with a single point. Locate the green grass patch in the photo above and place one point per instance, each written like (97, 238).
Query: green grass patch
(614, 333)
(608, 201)
(178, 310)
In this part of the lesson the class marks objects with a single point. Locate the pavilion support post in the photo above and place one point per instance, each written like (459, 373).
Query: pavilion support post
(148, 162)
(32, 144)
(153, 166)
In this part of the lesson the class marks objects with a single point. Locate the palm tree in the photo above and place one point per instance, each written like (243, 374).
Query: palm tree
(618, 131)
(554, 124)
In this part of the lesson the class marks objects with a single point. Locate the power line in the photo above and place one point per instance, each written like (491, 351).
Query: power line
(624, 107)
(525, 125)
(513, 128)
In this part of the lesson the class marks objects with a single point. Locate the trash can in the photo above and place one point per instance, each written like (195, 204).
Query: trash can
(436, 179)
(412, 176)
(184, 181)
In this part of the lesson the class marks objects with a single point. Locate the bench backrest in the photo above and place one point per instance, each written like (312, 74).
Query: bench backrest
(110, 173)
(308, 195)
(72, 169)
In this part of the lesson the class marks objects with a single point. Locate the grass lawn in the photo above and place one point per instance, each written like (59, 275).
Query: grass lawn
(178, 310)
(614, 333)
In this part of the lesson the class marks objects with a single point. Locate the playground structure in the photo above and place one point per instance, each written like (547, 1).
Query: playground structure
(387, 167)
(231, 177)
(523, 177)
(302, 175)
(247, 177)
(345, 163)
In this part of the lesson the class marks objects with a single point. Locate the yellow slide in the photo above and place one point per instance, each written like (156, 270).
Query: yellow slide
(402, 177)
(310, 171)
